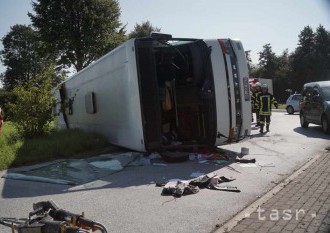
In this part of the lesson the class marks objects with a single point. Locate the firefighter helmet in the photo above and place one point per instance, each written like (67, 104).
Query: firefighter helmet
(264, 86)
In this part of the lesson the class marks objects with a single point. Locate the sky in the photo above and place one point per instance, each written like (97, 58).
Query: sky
(254, 22)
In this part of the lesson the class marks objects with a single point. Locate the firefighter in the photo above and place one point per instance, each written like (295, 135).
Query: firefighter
(255, 108)
(264, 102)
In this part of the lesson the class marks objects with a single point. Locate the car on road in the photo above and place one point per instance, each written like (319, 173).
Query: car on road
(315, 107)
(293, 103)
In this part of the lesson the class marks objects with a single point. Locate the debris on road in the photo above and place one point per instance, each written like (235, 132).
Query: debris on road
(220, 162)
(184, 187)
(245, 160)
(211, 181)
(79, 171)
(175, 156)
(227, 188)
(179, 188)
(261, 165)
(248, 165)
(244, 151)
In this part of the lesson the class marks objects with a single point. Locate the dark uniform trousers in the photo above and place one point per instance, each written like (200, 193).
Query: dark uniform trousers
(265, 120)
(264, 102)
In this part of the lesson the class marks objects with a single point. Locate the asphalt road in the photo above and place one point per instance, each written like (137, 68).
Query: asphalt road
(128, 201)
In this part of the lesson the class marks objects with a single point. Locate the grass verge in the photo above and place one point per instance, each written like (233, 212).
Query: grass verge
(73, 143)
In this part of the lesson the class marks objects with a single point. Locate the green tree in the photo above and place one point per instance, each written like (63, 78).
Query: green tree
(306, 41)
(322, 53)
(309, 62)
(302, 61)
(142, 30)
(22, 55)
(78, 31)
(267, 62)
(32, 110)
(281, 80)
(283, 65)
(273, 67)
(5, 98)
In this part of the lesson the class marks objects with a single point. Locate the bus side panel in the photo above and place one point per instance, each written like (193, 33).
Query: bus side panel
(244, 87)
(221, 91)
(231, 90)
(113, 80)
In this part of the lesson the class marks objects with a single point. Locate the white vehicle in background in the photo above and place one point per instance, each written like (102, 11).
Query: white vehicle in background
(161, 93)
(293, 103)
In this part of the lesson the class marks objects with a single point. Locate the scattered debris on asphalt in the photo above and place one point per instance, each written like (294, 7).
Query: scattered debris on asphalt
(184, 187)
(244, 151)
(175, 156)
(261, 165)
(227, 188)
(179, 188)
(248, 165)
(79, 171)
(245, 160)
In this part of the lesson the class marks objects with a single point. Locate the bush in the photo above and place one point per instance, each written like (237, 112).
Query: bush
(32, 110)
(5, 98)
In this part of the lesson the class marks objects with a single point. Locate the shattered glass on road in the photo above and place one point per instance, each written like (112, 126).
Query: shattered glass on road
(79, 171)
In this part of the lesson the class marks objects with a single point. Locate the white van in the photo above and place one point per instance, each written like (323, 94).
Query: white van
(159, 93)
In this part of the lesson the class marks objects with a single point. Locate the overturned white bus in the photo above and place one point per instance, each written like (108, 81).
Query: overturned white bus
(159, 92)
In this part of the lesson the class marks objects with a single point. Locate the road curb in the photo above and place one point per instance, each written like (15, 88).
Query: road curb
(246, 212)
